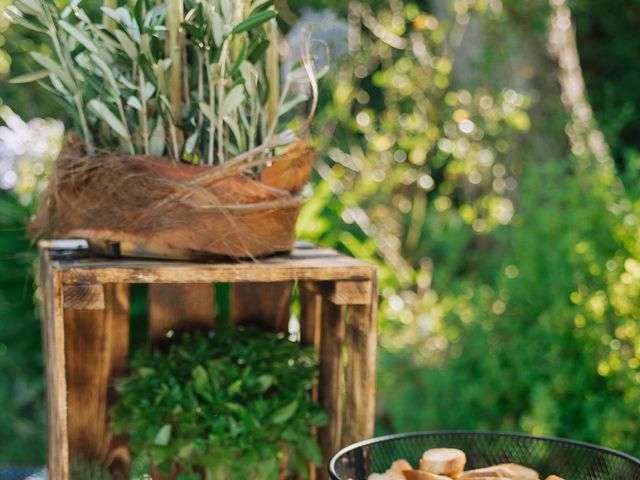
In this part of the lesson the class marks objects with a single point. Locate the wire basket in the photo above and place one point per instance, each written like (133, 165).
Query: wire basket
(549, 456)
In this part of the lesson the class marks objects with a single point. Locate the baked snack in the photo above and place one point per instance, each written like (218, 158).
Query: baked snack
(421, 475)
(395, 471)
(512, 471)
(443, 461)
(449, 463)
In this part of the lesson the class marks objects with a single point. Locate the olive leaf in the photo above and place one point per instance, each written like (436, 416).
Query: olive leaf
(103, 112)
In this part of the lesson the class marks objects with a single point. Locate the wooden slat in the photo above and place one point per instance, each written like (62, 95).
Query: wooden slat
(344, 292)
(360, 405)
(96, 348)
(310, 309)
(115, 455)
(53, 341)
(179, 307)
(303, 264)
(331, 379)
(84, 296)
(264, 304)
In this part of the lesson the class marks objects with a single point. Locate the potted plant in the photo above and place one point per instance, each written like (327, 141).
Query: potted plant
(180, 121)
(229, 405)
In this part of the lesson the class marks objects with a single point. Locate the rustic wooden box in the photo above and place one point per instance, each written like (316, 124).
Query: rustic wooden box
(86, 321)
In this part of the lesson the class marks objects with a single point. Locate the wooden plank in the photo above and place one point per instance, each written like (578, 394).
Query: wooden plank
(362, 338)
(141, 272)
(53, 342)
(331, 379)
(83, 296)
(302, 264)
(115, 455)
(264, 304)
(96, 348)
(310, 309)
(179, 307)
(345, 292)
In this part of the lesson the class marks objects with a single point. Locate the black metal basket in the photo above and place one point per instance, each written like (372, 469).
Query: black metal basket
(549, 456)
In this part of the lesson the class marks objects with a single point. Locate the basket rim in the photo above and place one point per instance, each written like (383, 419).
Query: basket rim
(482, 433)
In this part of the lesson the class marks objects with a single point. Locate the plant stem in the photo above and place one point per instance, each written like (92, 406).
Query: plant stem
(212, 123)
(221, 96)
(200, 94)
(144, 121)
(77, 98)
(174, 18)
(273, 75)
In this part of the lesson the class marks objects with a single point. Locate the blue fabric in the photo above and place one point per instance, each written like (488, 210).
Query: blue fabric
(22, 473)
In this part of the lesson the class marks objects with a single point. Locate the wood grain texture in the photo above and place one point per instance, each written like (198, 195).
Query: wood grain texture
(179, 307)
(310, 309)
(84, 296)
(331, 380)
(344, 292)
(53, 340)
(301, 264)
(96, 349)
(360, 407)
(264, 304)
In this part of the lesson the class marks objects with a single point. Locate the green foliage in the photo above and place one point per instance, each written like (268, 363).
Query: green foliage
(609, 44)
(23, 412)
(509, 285)
(231, 402)
(122, 84)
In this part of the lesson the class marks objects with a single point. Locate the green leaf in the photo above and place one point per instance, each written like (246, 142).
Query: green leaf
(261, 5)
(287, 106)
(310, 449)
(103, 112)
(20, 20)
(138, 12)
(266, 381)
(218, 29)
(157, 141)
(30, 77)
(190, 144)
(127, 44)
(54, 69)
(238, 61)
(284, 413)
(32, 7)
(207, 111)
(107, 73)
(148, 71)
(227, 10)
(255, 20)
(79, 35)
(201, 380)
(134, 102)
(257, 50)
(163, 437)
(233, 100)
(319, 418)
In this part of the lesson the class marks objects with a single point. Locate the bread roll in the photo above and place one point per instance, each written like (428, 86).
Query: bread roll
(400, 465)
(443, 461)
(511, 471)
(554, 477)
(420, 475)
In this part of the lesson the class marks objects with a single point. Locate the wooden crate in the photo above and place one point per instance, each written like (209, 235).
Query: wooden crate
(86, 321)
